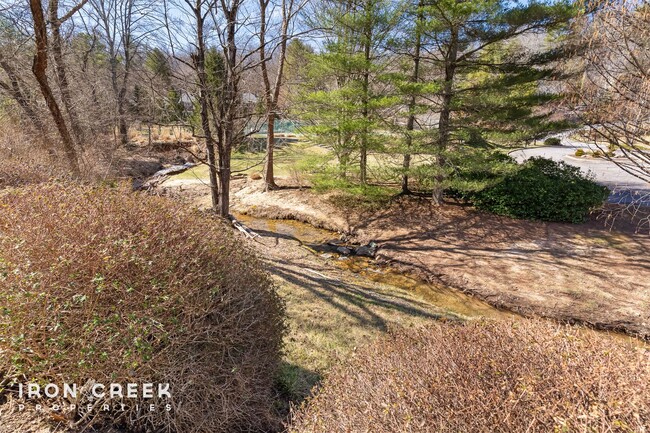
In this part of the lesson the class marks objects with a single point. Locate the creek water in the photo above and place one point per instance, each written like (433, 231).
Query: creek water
(315, 239)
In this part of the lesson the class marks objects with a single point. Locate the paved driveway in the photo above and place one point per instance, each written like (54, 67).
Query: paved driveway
(625, 187)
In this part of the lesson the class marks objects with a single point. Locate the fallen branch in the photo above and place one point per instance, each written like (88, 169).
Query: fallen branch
(162, 175)
(245, 230)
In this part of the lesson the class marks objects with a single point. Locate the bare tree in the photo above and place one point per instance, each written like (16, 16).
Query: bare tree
(69, 76)
(124, 26)
(227, 110)
(201, 10)
(269, 45)
(614, 93)
(218, 27)
(613, 96)
(39, 69)
(56, 46)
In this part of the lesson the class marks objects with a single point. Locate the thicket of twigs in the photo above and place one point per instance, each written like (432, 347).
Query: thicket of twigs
(15, 174)
(25, 160)
(96, 284)
(523, 376)
(21, 162)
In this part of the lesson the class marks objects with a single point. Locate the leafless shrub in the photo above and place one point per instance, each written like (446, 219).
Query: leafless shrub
(97, 284)
(20, 162)
(521, 376)
(16, 174)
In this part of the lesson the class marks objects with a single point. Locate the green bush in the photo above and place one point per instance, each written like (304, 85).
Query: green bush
(579, 153)
(100, 284)
(552, 141)
(543, 189)
(475, 170)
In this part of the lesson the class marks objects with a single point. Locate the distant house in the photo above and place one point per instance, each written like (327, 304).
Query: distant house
(188, 101)
(249, 98)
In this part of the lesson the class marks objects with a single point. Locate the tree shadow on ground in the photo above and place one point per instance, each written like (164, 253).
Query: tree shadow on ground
(293, 385)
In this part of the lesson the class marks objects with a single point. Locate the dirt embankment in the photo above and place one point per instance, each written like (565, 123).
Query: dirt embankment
(297, 204)
(578, 273)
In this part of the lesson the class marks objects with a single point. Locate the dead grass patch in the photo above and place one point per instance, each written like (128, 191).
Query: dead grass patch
(519, 376)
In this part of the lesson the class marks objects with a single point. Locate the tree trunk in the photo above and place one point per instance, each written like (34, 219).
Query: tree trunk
(444, 123)
(61, 74)
(269, 179)
(363, 162)
(123, 128)
(209, 146)
(121, 102)
(228, 105)
(39, 68)
(406, 166)
(119, 90)
(410, 123)
(272, 93)
(224, 186)
(342, 155)
(199, 64)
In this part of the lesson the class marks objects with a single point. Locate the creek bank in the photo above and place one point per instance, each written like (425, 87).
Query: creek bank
(572, 273)
(160, 176)
(249, 198)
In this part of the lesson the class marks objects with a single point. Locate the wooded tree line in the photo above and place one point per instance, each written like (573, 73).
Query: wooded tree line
(81, 73)
(439, 75)
(425, 79)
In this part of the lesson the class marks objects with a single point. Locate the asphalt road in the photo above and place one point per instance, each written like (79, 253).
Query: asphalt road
(625, 187)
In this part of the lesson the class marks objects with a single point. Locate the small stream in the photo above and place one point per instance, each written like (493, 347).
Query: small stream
(448, 299)
(316, 240)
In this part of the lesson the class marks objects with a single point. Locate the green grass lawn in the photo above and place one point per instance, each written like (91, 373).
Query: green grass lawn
(303, 163)
(303, 160)
(288, 161)
(306, 164)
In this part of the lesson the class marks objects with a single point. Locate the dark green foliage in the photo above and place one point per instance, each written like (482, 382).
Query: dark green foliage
(344, 97)
(552, 141)
(543, 189)
(174, 108)
(476, 169)
(157, 62)
(215, 68)
(540, 189)
(491, 67)
(495, 60)
(296, 70)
